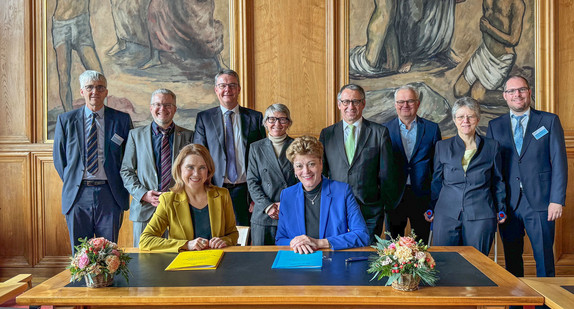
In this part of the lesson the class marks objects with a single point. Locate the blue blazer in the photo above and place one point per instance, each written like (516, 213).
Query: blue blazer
(341, 221)
(542, 166)
(209, 132)
(69, 157)
(420, 167)
(479, 190)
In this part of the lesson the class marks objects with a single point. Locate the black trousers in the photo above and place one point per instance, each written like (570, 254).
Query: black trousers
(240, 199)
(412, 208)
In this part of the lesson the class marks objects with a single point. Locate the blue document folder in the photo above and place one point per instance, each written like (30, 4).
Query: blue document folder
(291, 260)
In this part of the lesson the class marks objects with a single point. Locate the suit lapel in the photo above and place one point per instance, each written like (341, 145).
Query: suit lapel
(364, 136)
(339, 140)
(109, 127)
(216, 121)
(284, 164)
(419, 137)
(214, 211)
(79, 125)
(300, 209)
(269, 156)
(325, 207)
(245, 124)
(181, 206)
(147, 139)
(533, 125)
(395, 133)
(176, 142)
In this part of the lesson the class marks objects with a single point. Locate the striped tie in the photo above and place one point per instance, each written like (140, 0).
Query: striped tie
(165, 161)
(92, 153)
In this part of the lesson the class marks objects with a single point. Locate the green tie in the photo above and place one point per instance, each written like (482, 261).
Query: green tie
(350, 144)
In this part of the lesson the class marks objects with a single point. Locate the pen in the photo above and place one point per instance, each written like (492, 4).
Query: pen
(356, 259)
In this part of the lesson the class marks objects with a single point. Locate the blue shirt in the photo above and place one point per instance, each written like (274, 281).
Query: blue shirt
(156, 137)
(100, 125)
(408, 138)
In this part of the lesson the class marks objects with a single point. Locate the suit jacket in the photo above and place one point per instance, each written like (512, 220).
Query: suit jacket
(372, 174)
(267, 176)
(69, 153)
(173, 213)
(420, 166)
(139, 171)
(542, 166)
(479, 191)
(209, 132)
(341, 221)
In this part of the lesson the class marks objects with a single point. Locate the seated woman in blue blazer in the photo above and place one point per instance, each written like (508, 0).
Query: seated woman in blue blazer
(467, 186)
(317, 213)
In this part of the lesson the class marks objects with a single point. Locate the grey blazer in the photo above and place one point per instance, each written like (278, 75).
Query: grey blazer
(267, 176)
(139, 172)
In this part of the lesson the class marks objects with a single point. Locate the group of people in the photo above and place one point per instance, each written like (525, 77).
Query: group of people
(190, 189)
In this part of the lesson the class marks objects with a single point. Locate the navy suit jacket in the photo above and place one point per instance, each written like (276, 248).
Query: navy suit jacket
(479, 191)
(69, 153)
(210, 132)
(542, 166)
(420, 167)
(341, 221)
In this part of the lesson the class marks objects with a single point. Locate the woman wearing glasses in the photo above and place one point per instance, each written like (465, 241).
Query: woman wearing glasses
(317, 213)
(268, 173)
(467, 189)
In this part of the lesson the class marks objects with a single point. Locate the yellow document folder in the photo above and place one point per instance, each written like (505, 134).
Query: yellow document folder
(194, 260)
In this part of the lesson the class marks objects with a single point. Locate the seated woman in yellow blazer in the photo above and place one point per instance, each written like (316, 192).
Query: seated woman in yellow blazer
(198, 215)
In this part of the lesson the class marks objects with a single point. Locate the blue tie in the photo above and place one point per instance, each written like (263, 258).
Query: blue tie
(518, 132)
(92, 153)
(230, 148)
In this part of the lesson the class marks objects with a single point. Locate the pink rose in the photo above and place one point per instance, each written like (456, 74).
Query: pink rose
(116, 253)
(83, 261)
(113, 263)
(392, 246)
(407, 242)
(97, 243)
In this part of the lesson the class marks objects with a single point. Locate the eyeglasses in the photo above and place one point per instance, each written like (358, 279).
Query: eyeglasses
(467, 117)
(230, 86)
(520, 90)
(282, 120)
(99, 88)
(164, 105)
(354, 102)
(403, 102)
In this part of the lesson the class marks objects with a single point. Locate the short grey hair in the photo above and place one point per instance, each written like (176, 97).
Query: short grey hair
(163, 91)
(227, 72)
(408, 87)
(467, 102)
(354, 87)
(277, 108)
(92, 76)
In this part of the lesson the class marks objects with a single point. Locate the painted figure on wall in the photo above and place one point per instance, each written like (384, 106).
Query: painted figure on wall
(130, 23)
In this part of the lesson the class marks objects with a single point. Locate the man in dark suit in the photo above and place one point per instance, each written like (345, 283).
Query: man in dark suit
(150, 151)
(413, 140)
(535, 170)
(359, 152)
(227, 131)
(88, 147)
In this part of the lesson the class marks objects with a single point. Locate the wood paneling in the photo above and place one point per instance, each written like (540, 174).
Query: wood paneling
(565, 63)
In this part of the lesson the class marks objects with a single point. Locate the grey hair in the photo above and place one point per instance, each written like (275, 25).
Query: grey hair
(352, 87)
(277, 108)
(91, 76)
(408, 87)
(164, 91)
(227, 72)
(468, 102)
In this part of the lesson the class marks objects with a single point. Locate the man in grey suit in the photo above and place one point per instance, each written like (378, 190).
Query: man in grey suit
(150, 151)
(359, 152)
(227, 131)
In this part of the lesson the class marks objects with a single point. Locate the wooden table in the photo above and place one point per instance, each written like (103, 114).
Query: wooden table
(509, 291)
(555, 296)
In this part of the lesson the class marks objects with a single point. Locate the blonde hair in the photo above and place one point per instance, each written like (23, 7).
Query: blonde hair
(305, 145)
(191, 149)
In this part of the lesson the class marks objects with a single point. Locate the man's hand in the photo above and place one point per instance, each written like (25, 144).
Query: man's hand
(554, 211)
(152, 197)
(273, 211)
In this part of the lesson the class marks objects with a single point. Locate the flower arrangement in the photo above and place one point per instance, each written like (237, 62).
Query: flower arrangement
(98, 256)
(403, 256)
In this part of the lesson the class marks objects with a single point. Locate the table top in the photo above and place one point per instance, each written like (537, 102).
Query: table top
(558, 292)
(508, 291)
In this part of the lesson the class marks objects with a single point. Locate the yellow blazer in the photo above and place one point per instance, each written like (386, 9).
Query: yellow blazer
(173, 213)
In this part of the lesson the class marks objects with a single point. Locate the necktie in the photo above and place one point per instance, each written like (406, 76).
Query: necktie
(350, 143)
(165, 157)
(518, 132)
(230, 148)
(92, 153)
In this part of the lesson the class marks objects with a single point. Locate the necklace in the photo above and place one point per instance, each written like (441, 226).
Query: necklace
(313, 199)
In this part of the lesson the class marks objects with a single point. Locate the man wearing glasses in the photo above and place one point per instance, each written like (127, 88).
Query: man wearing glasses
(535, 171)
(89, 143)
(150, 151)
(227, 131)
(413, 139)
(359, 152)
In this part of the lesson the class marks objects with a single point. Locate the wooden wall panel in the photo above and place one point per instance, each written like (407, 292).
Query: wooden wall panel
(565, 63)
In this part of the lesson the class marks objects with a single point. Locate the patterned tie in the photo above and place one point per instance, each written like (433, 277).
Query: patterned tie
(165, 157)
(230, 147)
(350, 143)
(92, 153)
(518, 132)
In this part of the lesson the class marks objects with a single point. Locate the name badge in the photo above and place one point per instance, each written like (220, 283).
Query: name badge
(117, 139)
(540, 132)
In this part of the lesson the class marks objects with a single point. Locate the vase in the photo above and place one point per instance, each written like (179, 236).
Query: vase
(406, 282)
(99, 281)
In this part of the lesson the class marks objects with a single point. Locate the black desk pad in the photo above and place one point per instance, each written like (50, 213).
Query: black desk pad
(569, 288)
(254, 269)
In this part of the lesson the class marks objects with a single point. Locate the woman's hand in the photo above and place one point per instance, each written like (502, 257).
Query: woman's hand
(304, 244)
(217, 243)
(197, 244)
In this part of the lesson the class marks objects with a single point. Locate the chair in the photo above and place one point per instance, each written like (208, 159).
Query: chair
(14, 286)
(243, 239)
